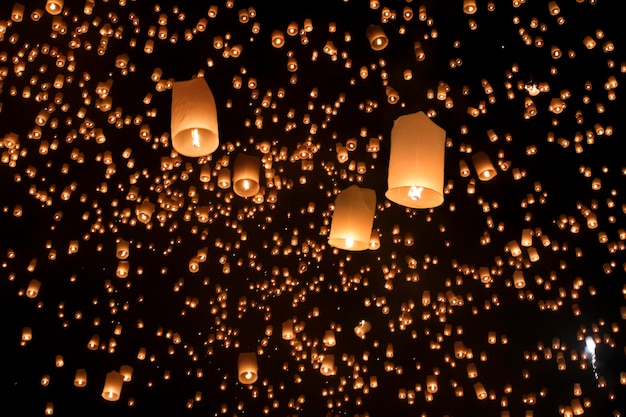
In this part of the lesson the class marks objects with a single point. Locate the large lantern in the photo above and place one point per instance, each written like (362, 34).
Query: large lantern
(246, 175)
(112, 386)
(54, 7)
(416, 162)
(247, 367)
(353, 217)
(194, 118)
(484, 167)
(377, 38)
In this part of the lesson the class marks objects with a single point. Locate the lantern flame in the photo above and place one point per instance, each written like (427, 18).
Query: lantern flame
(196, 138)
(415, 193)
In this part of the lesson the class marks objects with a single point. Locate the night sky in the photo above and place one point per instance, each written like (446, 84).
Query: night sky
(85, 140)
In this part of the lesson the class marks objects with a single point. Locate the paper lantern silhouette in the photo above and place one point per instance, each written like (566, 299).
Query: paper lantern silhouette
(194, 118)
(416, 162)
(353, 217)
(247, 367)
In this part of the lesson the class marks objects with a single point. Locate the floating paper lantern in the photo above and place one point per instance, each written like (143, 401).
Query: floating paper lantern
(377, 38)
(287, 330)
(362, 328)
(246, 175)
(194, 118)
(247, 368)
(469, 6)
(80, 378)
(353, 217)
(112, 386)
(327, 368)
(33, 288)
(483, 166)
(54, 7)
(416, 162)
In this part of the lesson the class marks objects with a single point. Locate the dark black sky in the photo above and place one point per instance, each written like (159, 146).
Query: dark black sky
(270, 262)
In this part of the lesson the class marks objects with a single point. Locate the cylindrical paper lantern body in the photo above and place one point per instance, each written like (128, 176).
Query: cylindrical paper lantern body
(484, 167)
(248, 368)
(416, 162)
(353, 217)
(112, 386)
(194, 118)
(246, 175)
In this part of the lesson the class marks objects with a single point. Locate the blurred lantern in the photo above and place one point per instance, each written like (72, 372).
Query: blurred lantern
(483, 166)
(194, 118)
(377, 38)
(112, 386)
(122, 249)
(33, 288)
(329, 338)
(246, 175)
(54, 7)
(416, 162)
(469, 6)
(127, 372)
(248, 368)
(353, 217)
(362, 328)
(144, 211)
(287, 330)
(328, 365)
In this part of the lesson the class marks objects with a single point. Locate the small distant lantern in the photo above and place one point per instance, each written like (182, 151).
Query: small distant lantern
(327, 368)
(377, 38)
(194, 118)
(483, 166)
(246, 175)
(54, 7)
(416, 162)
(112, 386)
(353, 217)
(27, 334)
(248, 368)
(33, 288)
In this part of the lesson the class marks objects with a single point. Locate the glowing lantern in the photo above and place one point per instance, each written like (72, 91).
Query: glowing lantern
(328, 365)
(416, 162)
(54, 7)
(362, 328)
(144, 211)
(287, 330)
(431, 384)
(518, 279)
(248, 368)
(122, 249)
(112, 386)
(469, 6)
(27, 334)
(481, 393)
(194, 118)
(80, 378)
(483, 166)
(246, 175)
(329, 338)
(353, 217)
(17, 14)
(127, 372)
(33, 288)
(377, 38)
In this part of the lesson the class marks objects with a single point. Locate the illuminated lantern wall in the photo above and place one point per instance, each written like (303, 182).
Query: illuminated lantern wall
(416, 162)
(353, 217)
(194, 118)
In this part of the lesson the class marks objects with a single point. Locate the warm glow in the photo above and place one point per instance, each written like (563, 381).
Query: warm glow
(415, 193)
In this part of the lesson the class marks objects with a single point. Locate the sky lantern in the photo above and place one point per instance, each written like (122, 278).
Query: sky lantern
(416, 162)
(194, 118)
(377, 38)
(248, 368)
(353, 217)
(246, 175)
(112, 386)
(54, 7)
(483, 166)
